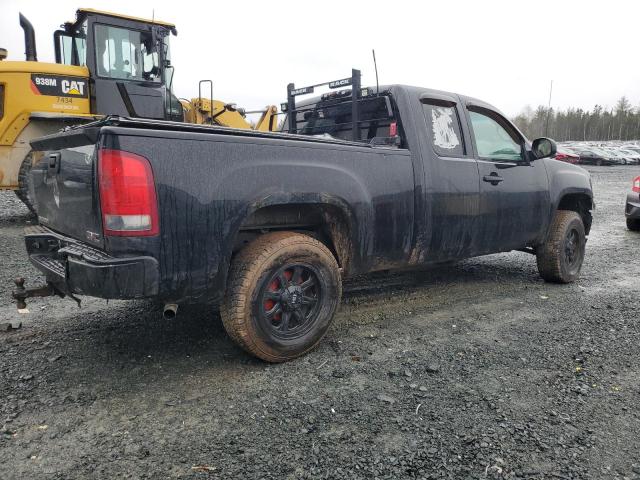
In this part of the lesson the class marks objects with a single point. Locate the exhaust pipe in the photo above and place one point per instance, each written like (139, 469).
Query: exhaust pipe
(29, 39)
(170, 311)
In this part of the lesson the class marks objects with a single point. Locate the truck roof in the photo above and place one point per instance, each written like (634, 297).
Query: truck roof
(418, 92)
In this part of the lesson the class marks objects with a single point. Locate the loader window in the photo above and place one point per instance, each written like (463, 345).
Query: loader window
(72, 48)
(126, 54)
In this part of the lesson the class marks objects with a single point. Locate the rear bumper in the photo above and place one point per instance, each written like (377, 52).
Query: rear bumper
(632, 208)
(75, 267)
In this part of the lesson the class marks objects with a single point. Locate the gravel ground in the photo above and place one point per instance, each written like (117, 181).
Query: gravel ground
(477, 370)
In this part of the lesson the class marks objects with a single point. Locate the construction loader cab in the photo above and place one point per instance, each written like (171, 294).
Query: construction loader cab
(105, 64)
(128, 59)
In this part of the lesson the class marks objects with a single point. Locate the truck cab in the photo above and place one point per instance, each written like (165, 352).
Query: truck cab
(481, 188)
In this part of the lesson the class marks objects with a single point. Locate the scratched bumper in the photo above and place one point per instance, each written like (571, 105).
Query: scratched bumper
(74, 267)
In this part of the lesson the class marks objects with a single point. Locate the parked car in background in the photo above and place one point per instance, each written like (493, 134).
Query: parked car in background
(616, 155)
(565, 154)
(633, 148)
(593, 156)
(633, 157)
(632, 209)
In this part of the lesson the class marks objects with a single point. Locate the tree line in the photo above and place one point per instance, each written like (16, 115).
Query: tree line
(619, 123)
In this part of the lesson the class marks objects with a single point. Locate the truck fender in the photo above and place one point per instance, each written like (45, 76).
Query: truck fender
(349, 196)
(348, 249)
(570, 189)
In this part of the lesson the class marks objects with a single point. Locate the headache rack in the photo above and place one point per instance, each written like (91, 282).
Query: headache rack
(357, 96)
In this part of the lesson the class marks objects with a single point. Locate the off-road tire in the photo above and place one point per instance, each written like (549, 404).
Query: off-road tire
(555, 263)
(23, 192)
(633, 224)
(249, 276)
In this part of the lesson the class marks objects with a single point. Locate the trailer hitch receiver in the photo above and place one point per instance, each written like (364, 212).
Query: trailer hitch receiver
(20, 294)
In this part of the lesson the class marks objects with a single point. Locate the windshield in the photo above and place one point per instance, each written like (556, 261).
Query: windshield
(126, 54)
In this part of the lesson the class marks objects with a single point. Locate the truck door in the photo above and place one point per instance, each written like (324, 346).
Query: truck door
(451, 181)
(514, 192)
(126, 73)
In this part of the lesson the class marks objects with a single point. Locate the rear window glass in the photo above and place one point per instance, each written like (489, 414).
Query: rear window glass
(333, 119)
(443, 126)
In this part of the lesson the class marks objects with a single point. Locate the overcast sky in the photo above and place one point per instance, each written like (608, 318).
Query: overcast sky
(503, 52)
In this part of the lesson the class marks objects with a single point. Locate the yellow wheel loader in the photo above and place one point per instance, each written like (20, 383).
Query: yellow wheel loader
(105, 64)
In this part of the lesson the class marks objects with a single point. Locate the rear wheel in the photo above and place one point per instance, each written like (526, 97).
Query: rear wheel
(560, 257)
(633, 224)
(283, 291)
(24, 180)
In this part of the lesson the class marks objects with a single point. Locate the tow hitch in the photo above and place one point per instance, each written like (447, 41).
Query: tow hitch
(20, 294)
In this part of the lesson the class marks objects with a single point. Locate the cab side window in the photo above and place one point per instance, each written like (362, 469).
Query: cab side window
(493, 140)
(443, 126)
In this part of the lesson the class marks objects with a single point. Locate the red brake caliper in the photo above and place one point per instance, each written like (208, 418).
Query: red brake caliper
(273, 287)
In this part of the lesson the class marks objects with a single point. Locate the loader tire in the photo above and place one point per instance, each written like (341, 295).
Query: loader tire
(24, 178)
(283, 291)
(560, 257)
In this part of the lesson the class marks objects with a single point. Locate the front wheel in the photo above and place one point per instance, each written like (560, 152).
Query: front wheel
(283, 291)
(560, 257)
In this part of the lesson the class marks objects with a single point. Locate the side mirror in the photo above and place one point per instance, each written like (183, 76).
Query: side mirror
(543, 148)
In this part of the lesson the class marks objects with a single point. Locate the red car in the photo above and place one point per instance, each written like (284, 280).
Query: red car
(567, 156)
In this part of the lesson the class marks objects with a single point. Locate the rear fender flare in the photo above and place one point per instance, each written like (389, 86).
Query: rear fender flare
(354, 249)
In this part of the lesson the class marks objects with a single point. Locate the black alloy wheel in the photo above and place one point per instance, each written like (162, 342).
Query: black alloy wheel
(290, 301)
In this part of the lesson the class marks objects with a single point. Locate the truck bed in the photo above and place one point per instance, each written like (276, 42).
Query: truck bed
(216, 187)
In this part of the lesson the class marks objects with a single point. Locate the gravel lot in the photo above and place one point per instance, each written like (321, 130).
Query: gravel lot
(477, 370)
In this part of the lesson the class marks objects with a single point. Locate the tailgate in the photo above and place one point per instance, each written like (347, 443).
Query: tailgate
(64, 184)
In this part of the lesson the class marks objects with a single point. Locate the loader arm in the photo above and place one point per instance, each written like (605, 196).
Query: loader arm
(268, 120)
(215, 112)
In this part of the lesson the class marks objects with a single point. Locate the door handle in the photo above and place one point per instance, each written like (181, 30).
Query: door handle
(493, 178)
(54, 163)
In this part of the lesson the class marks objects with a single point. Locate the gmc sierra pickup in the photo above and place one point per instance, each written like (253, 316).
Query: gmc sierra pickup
(266, 225)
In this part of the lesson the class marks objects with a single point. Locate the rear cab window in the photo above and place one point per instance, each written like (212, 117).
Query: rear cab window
(331, 117)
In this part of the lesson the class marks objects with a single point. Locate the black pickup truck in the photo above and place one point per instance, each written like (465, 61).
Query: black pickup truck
(266, 225)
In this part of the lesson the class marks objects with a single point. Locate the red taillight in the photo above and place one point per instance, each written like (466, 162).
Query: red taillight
(561, 156)
(393, 129)
(636, 185)
(127, 194)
